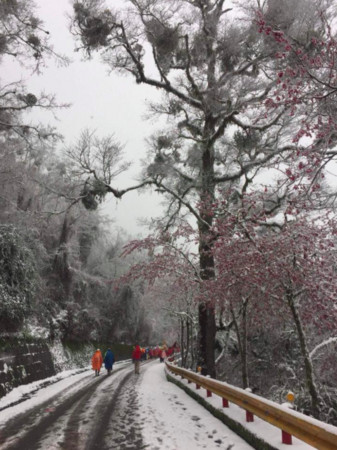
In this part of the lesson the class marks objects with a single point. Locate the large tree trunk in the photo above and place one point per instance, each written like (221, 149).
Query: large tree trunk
(188, 331)
(182, 343)
(207, 340)
(245, 379)
(309, 374)
(242, 344)
(61, 259)
(192, 345)
(207, 194)
(207, 328)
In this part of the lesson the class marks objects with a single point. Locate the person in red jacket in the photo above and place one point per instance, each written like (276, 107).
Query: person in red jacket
(97, 361)
(136, 357)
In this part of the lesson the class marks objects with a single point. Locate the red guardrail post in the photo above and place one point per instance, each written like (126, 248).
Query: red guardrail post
(197, 386)
(286, 438)
(249, 416)
(225, 403)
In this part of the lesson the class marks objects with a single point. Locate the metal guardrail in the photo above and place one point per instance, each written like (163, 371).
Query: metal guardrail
(315, 433)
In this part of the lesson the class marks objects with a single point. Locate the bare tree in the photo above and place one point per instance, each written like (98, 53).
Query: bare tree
(24, 40)
(215, 70)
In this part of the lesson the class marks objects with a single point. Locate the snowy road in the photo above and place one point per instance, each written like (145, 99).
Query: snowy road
(120, 411)
(80, 417)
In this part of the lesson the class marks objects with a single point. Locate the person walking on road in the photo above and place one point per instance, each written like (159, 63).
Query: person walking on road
(97, 361)
(136, 357)
(163, 356)
(109, 359)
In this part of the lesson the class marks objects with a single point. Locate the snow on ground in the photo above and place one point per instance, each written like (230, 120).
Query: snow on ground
(26, 396)
(36, 393)
(174, 421)
(259, 427)
(171, 420)
(18, 394)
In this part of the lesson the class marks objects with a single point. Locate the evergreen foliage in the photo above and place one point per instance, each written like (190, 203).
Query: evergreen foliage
(18, 278)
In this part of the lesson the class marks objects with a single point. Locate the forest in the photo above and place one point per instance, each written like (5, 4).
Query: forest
(240, 269)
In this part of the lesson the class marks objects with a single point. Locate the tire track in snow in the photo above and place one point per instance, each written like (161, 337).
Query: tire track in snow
(27, 430)
(121, 423)
(72, 439)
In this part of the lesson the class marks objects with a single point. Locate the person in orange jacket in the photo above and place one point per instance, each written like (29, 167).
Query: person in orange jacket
(97, 361)
(136, 357)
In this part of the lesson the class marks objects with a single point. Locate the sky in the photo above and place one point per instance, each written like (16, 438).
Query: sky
(171, 419)
(106, 103)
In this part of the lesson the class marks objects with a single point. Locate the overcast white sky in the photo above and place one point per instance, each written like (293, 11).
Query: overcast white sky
(99, 101)
(104, 102)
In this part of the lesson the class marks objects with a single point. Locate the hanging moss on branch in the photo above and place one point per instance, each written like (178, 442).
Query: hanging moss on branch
(95, 27)
(164, 40)
(93, 194)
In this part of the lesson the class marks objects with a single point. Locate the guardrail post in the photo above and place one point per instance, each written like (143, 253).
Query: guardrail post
(225, 403)
(249, 416)
(197, 386)
(286, 438)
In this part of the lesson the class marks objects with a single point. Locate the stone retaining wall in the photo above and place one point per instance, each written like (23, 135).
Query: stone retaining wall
(22, 362)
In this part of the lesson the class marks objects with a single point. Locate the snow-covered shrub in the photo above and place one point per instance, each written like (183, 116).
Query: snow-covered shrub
(18, 278)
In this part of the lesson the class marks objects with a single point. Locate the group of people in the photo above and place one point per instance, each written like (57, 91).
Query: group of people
(138, 354)
(97, 361)
(144, 353)
(161, 351)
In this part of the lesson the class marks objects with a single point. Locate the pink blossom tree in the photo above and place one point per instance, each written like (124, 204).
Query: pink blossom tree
(217, 71)
(170, 270)
(305, 82)
(287, 266)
